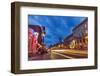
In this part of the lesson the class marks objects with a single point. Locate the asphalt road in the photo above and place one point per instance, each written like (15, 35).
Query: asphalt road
(61, 54)
(69, 54)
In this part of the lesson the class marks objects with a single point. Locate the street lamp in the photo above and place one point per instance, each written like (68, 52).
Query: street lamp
(43, 35)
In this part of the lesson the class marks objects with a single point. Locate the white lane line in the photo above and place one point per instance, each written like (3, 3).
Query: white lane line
(63, 55)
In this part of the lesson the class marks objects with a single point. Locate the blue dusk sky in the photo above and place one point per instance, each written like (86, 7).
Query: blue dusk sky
(56, 27)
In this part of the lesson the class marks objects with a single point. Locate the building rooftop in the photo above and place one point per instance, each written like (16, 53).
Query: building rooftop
(80, 24)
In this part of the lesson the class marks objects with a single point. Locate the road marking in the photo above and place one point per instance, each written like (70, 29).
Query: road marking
(63, 55)
(71, 51)
(58, 50)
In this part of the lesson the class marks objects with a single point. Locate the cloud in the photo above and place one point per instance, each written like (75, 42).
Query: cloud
(56, 26)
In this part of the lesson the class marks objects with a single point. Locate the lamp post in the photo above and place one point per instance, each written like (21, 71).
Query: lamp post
(43, 33)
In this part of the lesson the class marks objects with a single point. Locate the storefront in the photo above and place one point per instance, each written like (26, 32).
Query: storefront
(35, 39)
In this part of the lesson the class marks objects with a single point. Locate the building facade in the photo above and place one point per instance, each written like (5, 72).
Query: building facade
(79, 37)
(35, 38)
